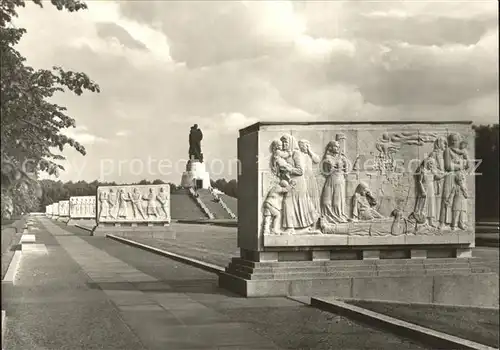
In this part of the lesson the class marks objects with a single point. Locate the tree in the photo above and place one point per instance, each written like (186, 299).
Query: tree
(30, 124)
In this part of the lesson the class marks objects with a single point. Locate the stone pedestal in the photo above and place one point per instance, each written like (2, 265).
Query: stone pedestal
(360, 222)
(196, 175)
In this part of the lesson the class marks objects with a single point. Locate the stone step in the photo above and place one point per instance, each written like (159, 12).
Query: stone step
(345, 263)
(281, 273)
(333, 269)
(353, 274)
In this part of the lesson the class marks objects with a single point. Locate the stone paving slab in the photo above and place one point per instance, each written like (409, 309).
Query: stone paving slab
(292, 326)
(173, 306)
(51, 307)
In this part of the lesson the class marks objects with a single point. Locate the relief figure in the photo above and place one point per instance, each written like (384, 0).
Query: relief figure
(310, 159)
(151, 206)
(136, 199)
(440, 145)
(104, 208)
(452, 201)
(279, 161)
(458, 200)
(333, 196)
(272, 206)
(163, 199)
(425, 210)
(72, 207)
(88, 207)
(112, 203)
(122, 204)
(298, 207)
(363, 204)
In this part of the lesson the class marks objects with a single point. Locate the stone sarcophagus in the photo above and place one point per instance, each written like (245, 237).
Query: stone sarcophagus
(82, 207)
(355, 191)
(133, 205)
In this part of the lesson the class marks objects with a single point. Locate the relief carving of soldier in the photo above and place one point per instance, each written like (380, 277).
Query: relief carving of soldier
(163, 199)
(136, 199)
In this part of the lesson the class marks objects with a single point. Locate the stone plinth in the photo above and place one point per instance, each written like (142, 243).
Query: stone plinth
(352, 192)
(195, 175)
(137, 207)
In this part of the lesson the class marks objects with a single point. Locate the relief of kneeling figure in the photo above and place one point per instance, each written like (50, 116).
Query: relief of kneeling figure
(273, 205)
(363, 203)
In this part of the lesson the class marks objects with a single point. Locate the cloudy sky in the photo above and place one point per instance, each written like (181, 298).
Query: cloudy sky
(164, 65)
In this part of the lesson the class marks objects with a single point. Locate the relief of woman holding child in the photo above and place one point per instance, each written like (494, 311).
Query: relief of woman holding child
(298, 211)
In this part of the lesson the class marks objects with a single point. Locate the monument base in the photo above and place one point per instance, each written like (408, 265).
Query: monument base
(460, 281)
(195, 175)
(131, 230)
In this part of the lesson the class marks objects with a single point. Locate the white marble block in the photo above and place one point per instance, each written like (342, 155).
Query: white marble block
(64, 209)
(133, 204)
(82, 207)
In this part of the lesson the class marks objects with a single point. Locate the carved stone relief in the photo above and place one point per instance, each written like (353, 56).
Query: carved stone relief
(82, 207)
(141, 203)
(64, 208)
(431, 200)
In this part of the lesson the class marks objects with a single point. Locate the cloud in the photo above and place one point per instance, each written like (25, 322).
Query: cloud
(83, 136)
(114, 31)
(163, 66)
(123, 133)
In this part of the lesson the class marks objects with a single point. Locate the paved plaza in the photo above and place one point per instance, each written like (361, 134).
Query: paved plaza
(95, 293)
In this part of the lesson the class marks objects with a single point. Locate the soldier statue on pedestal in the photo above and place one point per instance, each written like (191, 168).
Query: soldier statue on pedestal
(195, 137)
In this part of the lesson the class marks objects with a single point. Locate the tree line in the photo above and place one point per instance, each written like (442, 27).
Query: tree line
(25, 200)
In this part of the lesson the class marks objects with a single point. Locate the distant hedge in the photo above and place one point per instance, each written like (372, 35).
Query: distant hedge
(487, 189)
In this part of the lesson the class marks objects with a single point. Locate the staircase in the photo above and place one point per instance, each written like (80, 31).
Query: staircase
(184, 207)
(332, 269)
(231, 202)
(214, 207)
